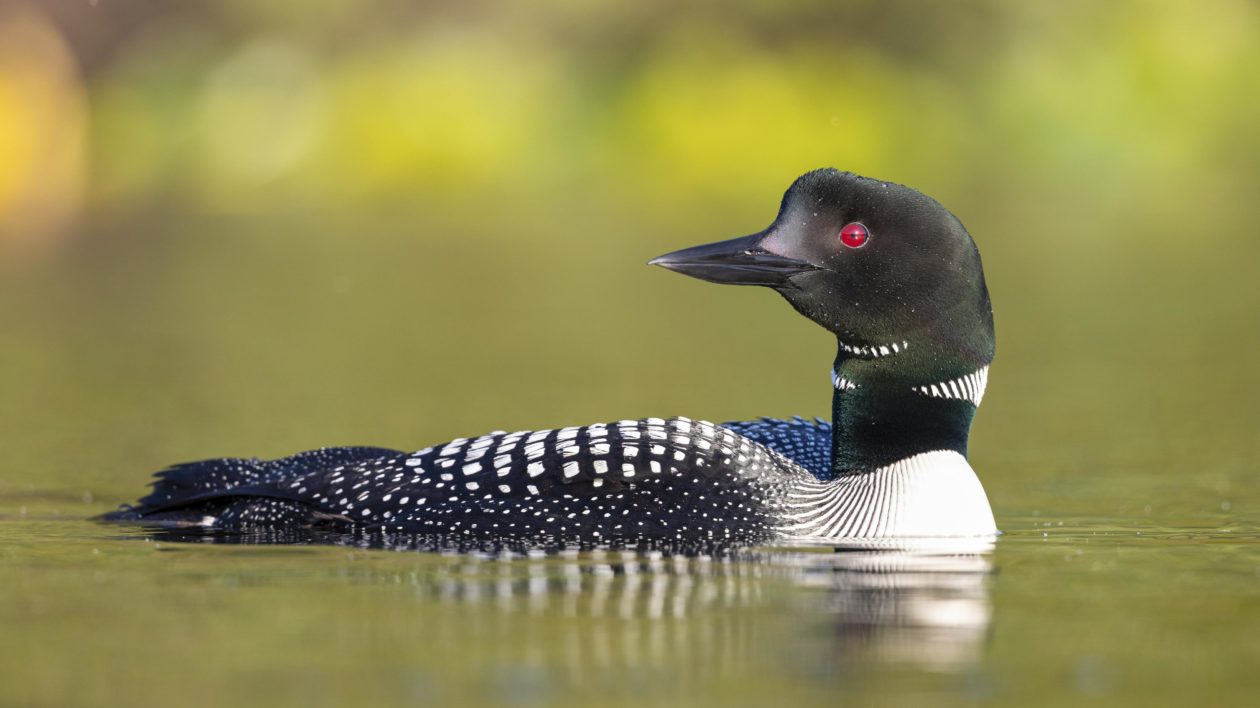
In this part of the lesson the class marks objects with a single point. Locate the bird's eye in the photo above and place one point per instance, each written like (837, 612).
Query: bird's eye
(854, 235)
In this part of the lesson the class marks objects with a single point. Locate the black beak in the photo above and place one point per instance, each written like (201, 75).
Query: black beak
(739, 261)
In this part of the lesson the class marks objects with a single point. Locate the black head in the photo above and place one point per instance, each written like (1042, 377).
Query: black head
(874, 262)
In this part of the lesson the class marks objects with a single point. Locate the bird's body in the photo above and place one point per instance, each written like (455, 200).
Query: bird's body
(892, 464)
(677, 479)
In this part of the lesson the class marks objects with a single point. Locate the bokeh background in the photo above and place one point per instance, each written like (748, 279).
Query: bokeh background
(252, 228)
(246, 227)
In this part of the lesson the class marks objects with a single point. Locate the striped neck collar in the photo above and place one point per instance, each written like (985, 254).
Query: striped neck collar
(969, 387)
(917, 398)
(874, 351)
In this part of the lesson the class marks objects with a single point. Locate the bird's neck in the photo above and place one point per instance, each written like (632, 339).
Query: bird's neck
(891, 406)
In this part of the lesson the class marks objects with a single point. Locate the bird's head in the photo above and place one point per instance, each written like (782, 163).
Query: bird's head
(875, 263)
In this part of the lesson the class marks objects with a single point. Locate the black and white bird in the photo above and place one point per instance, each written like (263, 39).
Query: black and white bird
(893, 274)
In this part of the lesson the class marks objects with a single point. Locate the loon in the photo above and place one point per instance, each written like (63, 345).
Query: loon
(889, 271)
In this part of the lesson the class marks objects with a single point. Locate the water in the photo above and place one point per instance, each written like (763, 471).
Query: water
(1056, 614)
(1122, 469)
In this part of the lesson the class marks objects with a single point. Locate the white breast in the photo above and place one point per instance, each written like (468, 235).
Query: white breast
(930, 495)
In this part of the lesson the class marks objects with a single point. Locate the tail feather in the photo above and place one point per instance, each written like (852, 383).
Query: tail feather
(196, 482)
(238, 511)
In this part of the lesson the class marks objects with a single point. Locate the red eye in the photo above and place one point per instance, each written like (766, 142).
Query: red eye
(854, 235)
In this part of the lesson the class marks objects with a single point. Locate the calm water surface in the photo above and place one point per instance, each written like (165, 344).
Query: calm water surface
(1064, 610)
(1122, 468)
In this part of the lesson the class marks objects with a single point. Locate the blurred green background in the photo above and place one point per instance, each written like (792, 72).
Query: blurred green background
(243, 227)
(246, 228)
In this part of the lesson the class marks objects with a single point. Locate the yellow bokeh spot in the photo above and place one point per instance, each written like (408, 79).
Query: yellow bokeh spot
(753, 119)
(448, 110)
(41, 130)
(261, 112)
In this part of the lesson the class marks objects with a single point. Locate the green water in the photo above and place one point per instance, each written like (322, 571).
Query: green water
(1117, 442)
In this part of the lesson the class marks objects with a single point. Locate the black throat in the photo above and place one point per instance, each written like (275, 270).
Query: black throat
(880, 414)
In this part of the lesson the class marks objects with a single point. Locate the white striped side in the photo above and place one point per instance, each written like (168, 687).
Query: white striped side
(930, 495)
(964, 388)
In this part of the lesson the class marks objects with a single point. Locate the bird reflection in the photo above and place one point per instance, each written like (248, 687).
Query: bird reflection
(927, 606)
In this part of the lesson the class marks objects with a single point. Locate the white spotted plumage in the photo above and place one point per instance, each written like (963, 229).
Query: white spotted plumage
(700, 482)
